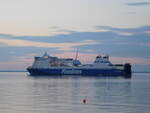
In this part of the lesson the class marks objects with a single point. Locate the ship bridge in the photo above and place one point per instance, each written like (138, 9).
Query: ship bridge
(102, 60)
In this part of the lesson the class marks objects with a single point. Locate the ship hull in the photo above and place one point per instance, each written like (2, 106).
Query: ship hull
(79, 71)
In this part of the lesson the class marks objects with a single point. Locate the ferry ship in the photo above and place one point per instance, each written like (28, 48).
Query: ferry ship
(49, 65)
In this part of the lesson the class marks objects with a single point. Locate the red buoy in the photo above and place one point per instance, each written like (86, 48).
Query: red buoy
(84, 101)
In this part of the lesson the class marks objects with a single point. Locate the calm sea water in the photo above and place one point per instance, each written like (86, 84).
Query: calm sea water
(20, 93)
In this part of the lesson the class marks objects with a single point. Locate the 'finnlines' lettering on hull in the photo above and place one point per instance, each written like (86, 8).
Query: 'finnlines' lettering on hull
(71, 71)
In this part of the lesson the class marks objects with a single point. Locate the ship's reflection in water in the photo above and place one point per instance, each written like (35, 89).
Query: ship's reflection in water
(65, 94)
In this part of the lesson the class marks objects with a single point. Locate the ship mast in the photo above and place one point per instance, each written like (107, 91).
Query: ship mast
(76, 55)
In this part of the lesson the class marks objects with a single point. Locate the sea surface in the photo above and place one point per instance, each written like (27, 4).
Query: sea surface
(21, 93)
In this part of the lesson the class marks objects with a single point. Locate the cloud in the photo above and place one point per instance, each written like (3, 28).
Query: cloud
(56, 30)
(110, 34)
(5, 35)
(137, 30)
(134, 60)
(18, 63)
(61, 46)
(127, 42)
(138, 3)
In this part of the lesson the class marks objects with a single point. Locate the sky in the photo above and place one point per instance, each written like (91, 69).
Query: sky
(118, 28)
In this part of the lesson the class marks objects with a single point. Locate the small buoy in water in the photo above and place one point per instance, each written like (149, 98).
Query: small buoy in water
(84, 101)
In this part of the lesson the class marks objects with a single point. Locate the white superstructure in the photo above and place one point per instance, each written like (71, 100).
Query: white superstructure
(47, 61)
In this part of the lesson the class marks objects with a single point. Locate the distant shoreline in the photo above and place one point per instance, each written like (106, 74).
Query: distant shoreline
(13, 71)
(27, 71)
(140, 72)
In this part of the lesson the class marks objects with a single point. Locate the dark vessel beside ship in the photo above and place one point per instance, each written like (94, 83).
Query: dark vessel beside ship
(48, 65)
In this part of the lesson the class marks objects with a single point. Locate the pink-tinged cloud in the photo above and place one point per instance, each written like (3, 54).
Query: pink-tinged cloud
(61, 46)
(13, 65)
(19, 63)
(143, 61)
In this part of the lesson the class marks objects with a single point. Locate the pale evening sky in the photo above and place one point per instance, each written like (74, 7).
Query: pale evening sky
(120, 28)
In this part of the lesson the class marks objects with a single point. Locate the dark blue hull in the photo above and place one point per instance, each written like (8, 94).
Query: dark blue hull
(83, 72)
